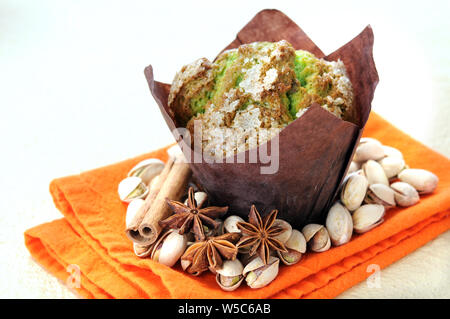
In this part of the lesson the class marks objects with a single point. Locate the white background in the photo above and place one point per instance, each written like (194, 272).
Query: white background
(73, 97)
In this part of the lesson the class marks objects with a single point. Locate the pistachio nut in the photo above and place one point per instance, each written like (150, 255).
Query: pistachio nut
(339, 224)
(422, 180)
(392, 152)
(405, 195)
(142, 251)
(169, 248)
(147, 169)
(317, 237)
(258, 275)
(368, 149)
(201, 199)
(230, 224)
(296, 247)
(284, 236)
(131, 188)
(375, 173)
(367, 217)
(354, 166)
(380, 194)
(392, 165)
(132, 210)
(229, 277)
(353, 191)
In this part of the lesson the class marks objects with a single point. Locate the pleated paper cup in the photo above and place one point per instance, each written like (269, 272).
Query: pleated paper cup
(315, 150)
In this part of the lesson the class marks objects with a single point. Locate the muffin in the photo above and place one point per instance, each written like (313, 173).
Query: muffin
(248, 94)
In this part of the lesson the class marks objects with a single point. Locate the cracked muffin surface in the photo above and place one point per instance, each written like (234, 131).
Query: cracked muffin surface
(250, 93)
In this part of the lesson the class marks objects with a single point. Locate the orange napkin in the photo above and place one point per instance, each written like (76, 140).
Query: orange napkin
(91, 236)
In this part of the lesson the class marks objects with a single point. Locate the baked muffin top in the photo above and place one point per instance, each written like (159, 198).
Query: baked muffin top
(261, 86)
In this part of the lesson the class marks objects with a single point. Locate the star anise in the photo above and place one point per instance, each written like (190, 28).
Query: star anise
(210, 253)
(190, 217)
(260, 235)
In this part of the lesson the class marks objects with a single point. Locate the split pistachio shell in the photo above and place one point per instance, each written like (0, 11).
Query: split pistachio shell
(375, 173)
(229, 277)
(230, 224)
(367, 217)
(132, 209)
(284, 236)
(317, 237)
(200, 197)
(392, 152)
(231, 268)
(368, 149)
(131, 188)
(142, 251)
(258, 275)
(147, 169)
(297, 241)
(380, 194)
(354, 166)
(422, 180)
(310, 230)
(405, 195)
(339, 224)
(392, 165)
(296, 246)
(169, 248)
(353, 191)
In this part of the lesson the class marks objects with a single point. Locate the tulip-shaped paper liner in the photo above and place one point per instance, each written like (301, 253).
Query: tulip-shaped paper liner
(315, 150)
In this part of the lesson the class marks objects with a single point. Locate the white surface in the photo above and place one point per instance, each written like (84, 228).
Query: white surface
(74, 97)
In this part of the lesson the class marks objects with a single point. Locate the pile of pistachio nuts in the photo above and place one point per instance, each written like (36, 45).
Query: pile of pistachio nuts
(251, 268)
(378, 179)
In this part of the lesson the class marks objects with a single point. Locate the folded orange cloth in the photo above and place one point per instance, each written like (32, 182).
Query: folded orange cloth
(92, 237)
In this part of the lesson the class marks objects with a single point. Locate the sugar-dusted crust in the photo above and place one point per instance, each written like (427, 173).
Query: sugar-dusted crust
(252, 92)
(191, 79)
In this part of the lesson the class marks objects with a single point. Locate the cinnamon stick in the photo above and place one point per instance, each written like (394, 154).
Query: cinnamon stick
(132, 228)
(173, 188)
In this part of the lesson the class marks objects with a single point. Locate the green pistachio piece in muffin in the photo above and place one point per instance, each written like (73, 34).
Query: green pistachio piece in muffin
(322, 82)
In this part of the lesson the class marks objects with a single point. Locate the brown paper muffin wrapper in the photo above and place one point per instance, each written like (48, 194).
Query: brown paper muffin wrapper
(315, 150)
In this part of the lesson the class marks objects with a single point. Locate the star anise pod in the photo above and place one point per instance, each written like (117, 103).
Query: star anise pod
(260, 235)
(190, 217)
(210, 253)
